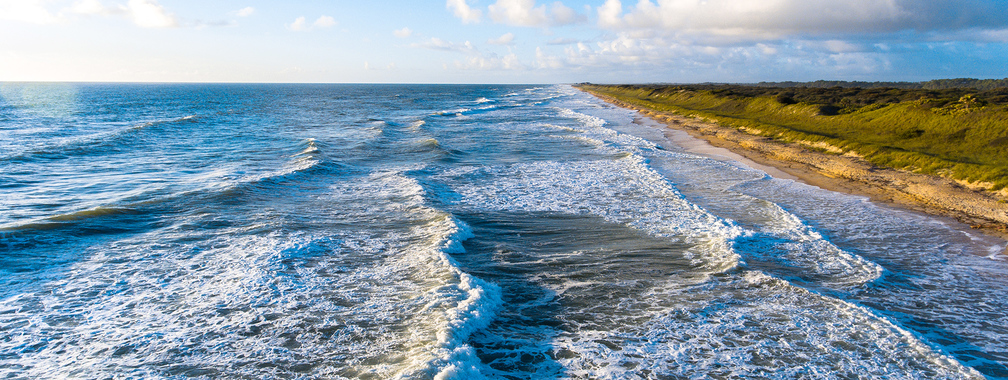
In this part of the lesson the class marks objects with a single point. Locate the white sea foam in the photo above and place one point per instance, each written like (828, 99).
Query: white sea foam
(453, 112)
(388, 303)
(300, 162)
(310, 147)
(784, 240)
(456, 304)
(416, 125)
(752, 325)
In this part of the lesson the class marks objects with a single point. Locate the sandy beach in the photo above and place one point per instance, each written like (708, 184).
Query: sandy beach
(849, 174)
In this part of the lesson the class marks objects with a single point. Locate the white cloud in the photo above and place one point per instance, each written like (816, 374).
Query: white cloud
(89, 7)
(325, 22)
(767, 49)
(474, 59)
(562, 15)
(526, 13)
(462, 10)
(609, 14)
(562, 41)
(213, 24)
(369, 67)
(245, 12)
(837, 46)
(299, 25)
(979, 35)
(30, 11)
(403, 33)
(998, 35)
(546, 61)
(518, 12)
(490, 62)
(150, 14)
(439, 44)
(505, 39)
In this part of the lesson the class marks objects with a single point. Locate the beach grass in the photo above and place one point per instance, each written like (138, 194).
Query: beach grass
(961, 134)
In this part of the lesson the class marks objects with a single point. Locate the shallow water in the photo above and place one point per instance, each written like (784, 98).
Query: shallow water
(421, 231)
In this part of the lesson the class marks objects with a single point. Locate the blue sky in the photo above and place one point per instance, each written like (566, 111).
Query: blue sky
(501, 41)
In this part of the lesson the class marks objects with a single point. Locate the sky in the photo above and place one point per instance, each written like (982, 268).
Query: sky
(502, 41)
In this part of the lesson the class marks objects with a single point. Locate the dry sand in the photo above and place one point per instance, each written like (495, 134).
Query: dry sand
(847, 173)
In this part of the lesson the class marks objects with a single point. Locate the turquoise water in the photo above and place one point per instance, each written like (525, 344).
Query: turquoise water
(445, 231)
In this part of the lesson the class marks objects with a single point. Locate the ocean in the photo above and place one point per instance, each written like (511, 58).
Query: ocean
(271, 231)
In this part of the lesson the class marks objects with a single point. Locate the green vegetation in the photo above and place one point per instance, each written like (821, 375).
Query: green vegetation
(958, 133)
(938, 84)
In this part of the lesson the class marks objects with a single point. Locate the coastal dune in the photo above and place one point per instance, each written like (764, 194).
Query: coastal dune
(849, 173)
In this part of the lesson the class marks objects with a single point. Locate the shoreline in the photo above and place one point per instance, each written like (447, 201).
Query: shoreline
(841, 173)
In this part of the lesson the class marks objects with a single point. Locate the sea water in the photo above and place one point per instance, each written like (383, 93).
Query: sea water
(443, 231)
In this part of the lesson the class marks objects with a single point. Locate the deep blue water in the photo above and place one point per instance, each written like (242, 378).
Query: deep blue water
(446, 231)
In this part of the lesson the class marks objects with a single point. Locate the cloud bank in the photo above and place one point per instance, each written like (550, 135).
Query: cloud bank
(743, 39)
(774, 19)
